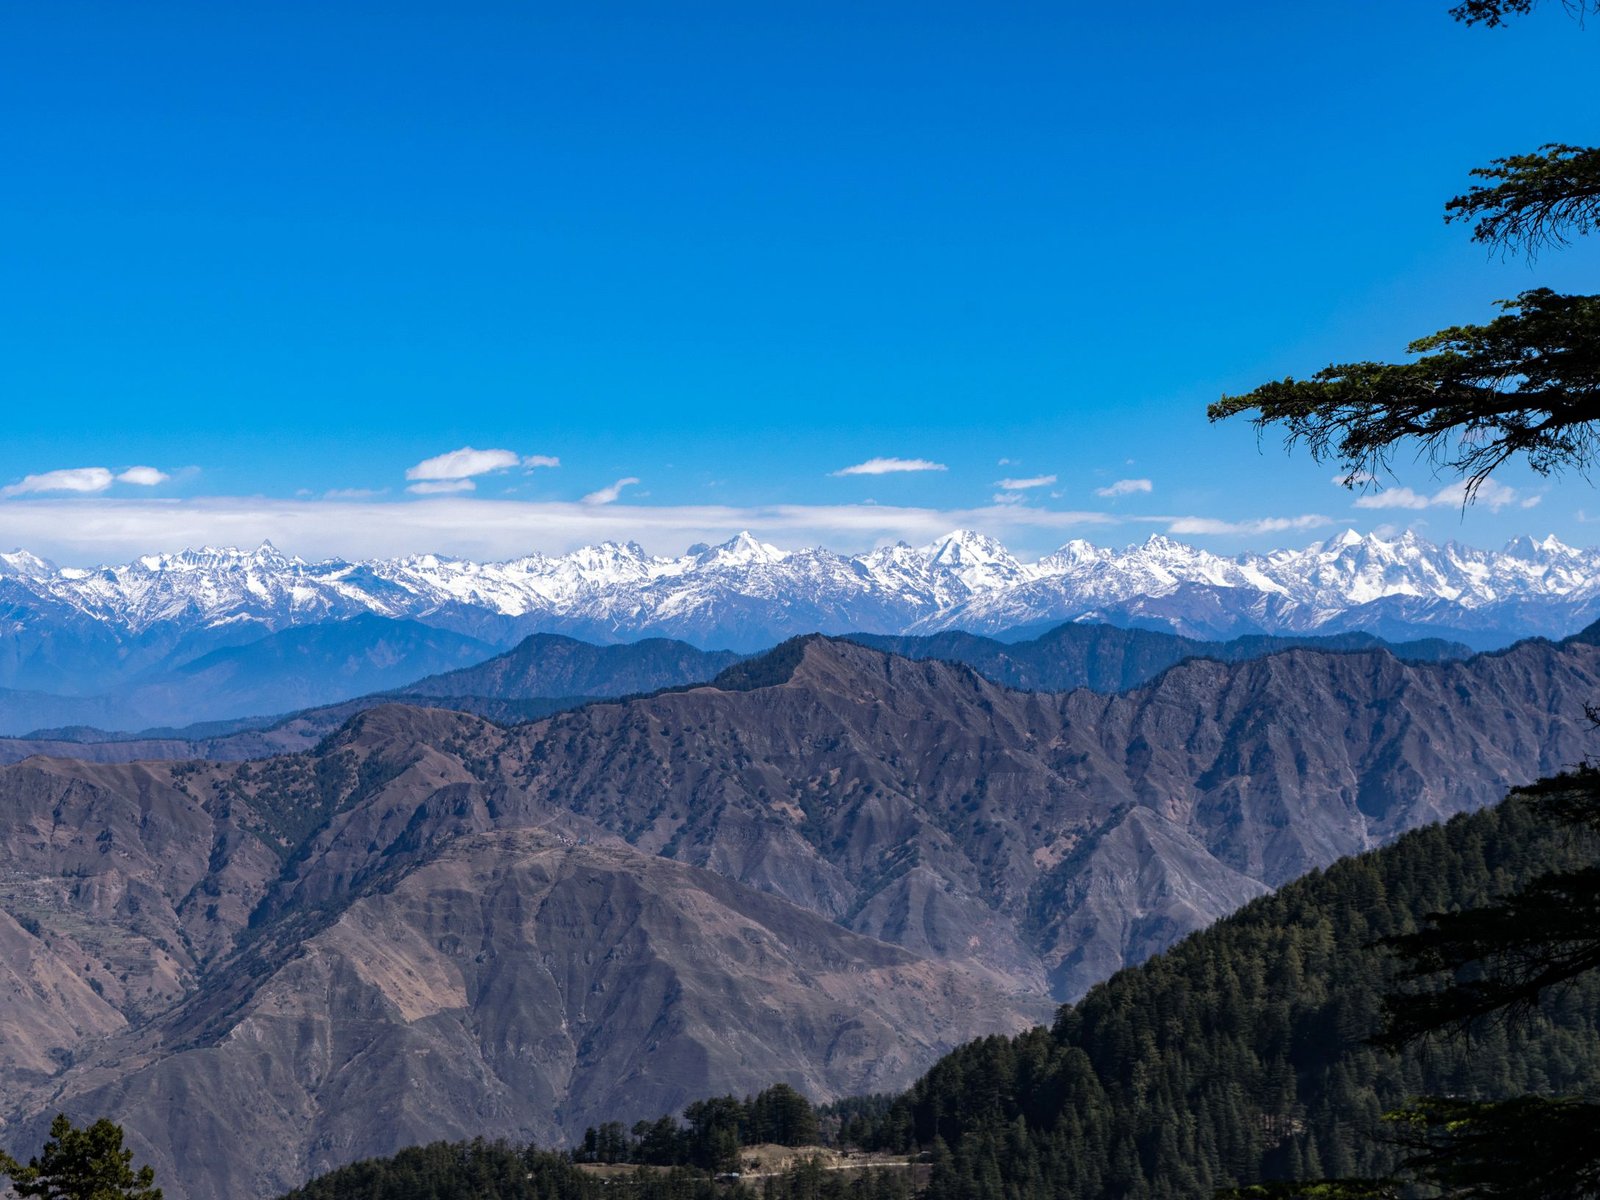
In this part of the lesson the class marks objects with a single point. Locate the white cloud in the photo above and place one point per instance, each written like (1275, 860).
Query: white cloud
(1124, 487)
(87, 531)
(1491, 494)
(1019, 485)
(440, 487)
(72, 479)
(609, 495)
(143, 476)
(1211, 525)
(1355, 479)
(1395, 497)
(888, 466)
(1009, 498)
(468, 461)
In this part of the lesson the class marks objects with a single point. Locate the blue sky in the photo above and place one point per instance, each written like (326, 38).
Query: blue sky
(284, 254)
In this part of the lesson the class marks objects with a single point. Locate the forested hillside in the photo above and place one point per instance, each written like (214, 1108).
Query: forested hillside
(1242, 1053)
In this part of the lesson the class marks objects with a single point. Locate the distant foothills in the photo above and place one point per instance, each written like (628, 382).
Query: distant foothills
(208, 635)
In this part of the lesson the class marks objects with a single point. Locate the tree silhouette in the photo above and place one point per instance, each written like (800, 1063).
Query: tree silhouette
(1523, 385)
(1526, 384)
(1495, 12)
(82, 1164)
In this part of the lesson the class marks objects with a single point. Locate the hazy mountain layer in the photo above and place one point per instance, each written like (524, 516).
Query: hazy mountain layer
(543, 674)
(281, 672)
(546, 665)
(547, 673)
(1108, 658)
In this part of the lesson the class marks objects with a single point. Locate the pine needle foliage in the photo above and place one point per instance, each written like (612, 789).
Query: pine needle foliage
(1523, 385)
(81, 1164)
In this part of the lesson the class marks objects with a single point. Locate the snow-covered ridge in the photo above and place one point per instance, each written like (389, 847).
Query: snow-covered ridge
(748, 592)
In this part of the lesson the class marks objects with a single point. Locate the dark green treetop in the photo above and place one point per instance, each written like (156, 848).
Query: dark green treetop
(1499, 963)
(82, 1164)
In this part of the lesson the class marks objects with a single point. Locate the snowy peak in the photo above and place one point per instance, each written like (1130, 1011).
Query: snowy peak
(610, 562)
(965, 548)
(213, 558)
(1527, 548)
(24, 565)
(741, 550)
(747, 593)
(979, 561)
(1074, 554)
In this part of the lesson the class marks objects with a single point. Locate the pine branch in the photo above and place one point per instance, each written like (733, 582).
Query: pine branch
(1533, 200)
(1495, 12)
(1529, 1148)
(1524, 385)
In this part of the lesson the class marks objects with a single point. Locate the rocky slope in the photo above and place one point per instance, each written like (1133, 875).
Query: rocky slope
(917, 802)
(303, 959)
(825, 867)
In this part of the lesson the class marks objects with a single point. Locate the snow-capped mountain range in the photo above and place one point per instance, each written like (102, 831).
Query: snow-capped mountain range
(746, 594)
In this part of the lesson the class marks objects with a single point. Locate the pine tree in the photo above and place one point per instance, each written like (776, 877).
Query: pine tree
(82, 1164)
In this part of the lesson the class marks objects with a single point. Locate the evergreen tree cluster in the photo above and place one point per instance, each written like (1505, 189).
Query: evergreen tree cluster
(81, 1164)
(1246, 1053)
(481, 1170)
(715, 1131)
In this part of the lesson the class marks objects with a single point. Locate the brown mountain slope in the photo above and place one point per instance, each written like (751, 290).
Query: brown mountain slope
(414, 948)
(917, 802)
(520, 984)
(823, 868)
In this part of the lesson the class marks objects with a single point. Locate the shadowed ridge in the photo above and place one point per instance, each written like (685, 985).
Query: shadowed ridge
(777, 666)
(391, 726)
(839, 664)
(545, 665)
(1111, 659)
(1589, 635)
